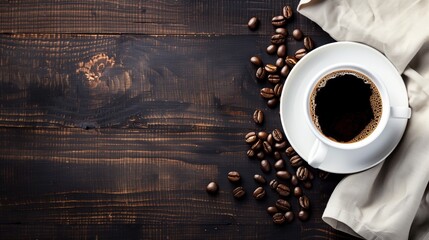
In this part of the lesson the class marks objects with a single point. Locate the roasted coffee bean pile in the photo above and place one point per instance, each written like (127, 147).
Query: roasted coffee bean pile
(292, 176)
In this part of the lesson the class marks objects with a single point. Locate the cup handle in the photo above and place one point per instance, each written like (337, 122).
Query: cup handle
(317, 153)
(400, 112)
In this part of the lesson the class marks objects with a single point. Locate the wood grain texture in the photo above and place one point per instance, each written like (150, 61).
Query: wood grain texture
(105, 135)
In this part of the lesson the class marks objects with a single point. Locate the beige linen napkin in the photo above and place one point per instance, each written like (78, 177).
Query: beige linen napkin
(391, 200)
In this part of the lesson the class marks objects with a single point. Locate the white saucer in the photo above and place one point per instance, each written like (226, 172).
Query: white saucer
(293, 116)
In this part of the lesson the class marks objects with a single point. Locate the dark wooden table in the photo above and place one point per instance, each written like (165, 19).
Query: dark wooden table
(116, 114)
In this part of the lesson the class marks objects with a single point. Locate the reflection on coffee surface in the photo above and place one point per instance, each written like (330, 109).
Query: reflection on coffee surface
(345, 106)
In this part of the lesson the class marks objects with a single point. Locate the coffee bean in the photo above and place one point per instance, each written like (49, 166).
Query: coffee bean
(280, 62)
(271, 49)
(267, 147)
(260, 155)
(297, 192)
(300, 53)
(234, 176)
(212, 188)
(277, 155)
(262, 135)
(297, 34)
(251, 137)
(310, 175)
(291, 61)
(277, 135)
(303, 215)
(274, 78)
(278, 90)
(283, 190)
(277, 39)
(250, 153)
(253, 23)
(282, 205)
(258, 116)
(282, 31)
(257, 145)
(265, 166)
(278, 21)
(289, 216)
(280, 145)
(272, 103)
(273, 184)
(281, 51)
(296, 161)
(302, 173)
(260, 73)
(279, 218)
(304, 202)
(284, 175)
(308, 43)
(279, 164)
(323, 175)
(238, 192)
(267, 93)
(290, 151)
(256, 60)
(272, 210)
(270, 68)
(270, 139)
(259, 193)
(307, 184)
(285, 70)
(287, 12)
(259, 179)
(294, 180)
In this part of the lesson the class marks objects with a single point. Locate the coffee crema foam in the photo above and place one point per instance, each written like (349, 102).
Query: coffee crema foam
(375, 102)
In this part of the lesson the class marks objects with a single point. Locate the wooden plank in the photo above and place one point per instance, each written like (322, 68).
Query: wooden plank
(155, 17)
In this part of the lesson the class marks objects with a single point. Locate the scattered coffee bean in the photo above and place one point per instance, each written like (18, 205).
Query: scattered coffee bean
(278, 21)
(281, 51)
(280, 145)
(307, 184)
(251, 137)
(304, 202)
(260, 73)
(277, 155)
(274, 78)
(289, 216)
(277, 135)
(302, 173)
(270, 139)
(259, 193)
(296, 161)
(294, 180)
(303, 215)
(256, 60)
(272, 210)
(279, 164)
(282, 31)
(238, 192)
(308, 43)
(253, 23)
(270, 68)
(277, 39)
(310, 175)
(297, 192)
(259, 179)
(234, 176)
(290, 151)
(272, 103)
(260, 155)
(323, 175)
(278, 90)
(258, 116)
(283, 190)
(267, 93)
(262, 135)
(279, 218)
(287, 12)
(265, 166)
(280, 62)
(273, 184)
(283, 174)
(291, 61)
(300, 53)
(297, 34)
(285, 70)
(282, 205)
(212, 188)
(267, 147)
(250, 153)
(271, 49)
(257, 145)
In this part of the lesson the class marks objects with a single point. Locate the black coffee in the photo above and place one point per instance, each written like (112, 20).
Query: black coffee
(346, 106)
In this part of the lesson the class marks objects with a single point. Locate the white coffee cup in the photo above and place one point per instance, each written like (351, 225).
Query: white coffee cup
(322, 144)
